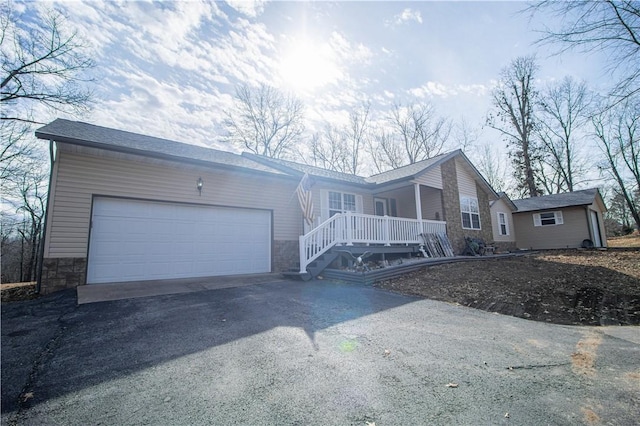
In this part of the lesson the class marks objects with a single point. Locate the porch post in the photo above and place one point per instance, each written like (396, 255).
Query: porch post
(387, 231)
(416, 188)
(349, 219)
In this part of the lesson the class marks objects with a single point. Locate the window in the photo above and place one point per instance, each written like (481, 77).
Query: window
(547, 219)
(340, 202)
(470, 213)
(503, 226)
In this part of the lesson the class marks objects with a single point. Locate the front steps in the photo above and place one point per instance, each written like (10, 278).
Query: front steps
(319, 265)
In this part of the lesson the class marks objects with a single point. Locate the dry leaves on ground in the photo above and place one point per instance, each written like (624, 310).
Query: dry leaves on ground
(566, 287)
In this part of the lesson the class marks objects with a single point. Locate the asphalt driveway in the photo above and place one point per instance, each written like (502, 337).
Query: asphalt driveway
(306, 353)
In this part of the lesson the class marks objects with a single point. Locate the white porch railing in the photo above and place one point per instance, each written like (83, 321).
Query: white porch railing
(349, 228)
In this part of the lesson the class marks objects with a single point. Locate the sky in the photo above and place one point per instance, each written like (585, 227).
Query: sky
(170, 69)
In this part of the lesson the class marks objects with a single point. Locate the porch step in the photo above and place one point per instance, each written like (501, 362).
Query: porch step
(319, 266)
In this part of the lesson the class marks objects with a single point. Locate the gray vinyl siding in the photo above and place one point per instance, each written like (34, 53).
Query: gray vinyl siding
(432, 178)
(406, 202)
(466, 182)
(502, 207)
(78, 177)
(431, 203)
(570, 234)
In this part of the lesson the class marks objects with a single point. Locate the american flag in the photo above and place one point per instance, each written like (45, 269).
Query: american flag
(304, 197)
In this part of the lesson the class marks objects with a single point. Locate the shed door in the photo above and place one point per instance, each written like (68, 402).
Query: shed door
(140, 240)
(595, 226)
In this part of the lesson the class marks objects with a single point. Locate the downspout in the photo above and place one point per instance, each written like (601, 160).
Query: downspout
(46, 216)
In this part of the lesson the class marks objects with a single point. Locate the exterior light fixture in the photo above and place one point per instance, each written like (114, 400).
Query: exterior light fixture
(199, 184)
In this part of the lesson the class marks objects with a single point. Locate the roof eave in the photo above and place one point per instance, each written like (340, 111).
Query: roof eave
(146, 153)
(298, 174)
(553, 208)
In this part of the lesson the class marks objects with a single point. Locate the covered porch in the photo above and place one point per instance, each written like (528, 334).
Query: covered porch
(384, 233)
(405, 219)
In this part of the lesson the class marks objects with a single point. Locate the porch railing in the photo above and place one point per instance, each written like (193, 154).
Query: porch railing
(356, 228)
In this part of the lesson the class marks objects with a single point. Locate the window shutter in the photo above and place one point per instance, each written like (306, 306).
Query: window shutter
(536, 219)
(358, 203)
(559, 220)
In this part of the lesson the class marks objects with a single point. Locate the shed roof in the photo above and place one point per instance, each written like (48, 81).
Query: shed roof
(556, 201)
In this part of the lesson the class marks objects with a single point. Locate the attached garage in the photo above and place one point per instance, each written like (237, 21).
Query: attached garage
(136, 240)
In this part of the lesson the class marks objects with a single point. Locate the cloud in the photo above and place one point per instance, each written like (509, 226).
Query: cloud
(250, 8)
(433, 89)
(406, 16)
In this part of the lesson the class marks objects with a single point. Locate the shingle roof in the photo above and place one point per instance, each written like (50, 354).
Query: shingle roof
(556, 201)
(504, 197)
(300, 169)
(410, 170)
(90, 135)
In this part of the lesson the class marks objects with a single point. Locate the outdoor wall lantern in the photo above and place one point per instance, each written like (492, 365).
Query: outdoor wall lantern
(199, 184)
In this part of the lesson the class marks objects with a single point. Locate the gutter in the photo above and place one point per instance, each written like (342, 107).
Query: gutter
(151, 154)
(46, 216)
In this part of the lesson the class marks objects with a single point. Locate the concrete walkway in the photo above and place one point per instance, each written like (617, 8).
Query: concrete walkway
(92, 293)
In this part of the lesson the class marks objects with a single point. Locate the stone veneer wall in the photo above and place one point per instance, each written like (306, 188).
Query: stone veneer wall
(451, 205)
(60, 273)
(285, 255)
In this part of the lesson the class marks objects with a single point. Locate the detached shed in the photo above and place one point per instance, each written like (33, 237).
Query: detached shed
(569, 220)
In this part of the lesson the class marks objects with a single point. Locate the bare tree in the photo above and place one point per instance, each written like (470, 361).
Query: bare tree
(618, 134)
(328, 150)
(618, 215)
(413, 133)
(549, 178)
(421, 133)
(15, 147)
(384, 151)
(514, 99)
(265, 121)
(563, 111)
(340, 148)
(611, 27)
(358, 133)
(44, 69)
(465, 135)
(43, 66)
(492, 167)
(30, 187)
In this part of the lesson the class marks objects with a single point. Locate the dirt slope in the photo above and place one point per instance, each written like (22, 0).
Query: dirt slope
(564, 287)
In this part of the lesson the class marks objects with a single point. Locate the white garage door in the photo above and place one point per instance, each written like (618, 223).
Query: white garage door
(140, 240)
